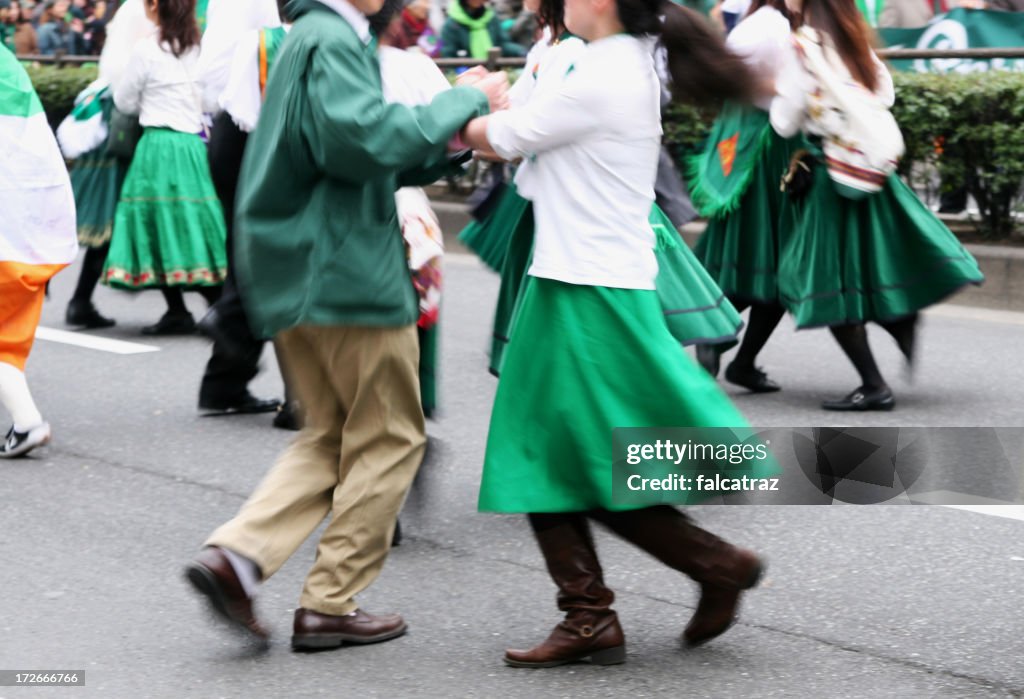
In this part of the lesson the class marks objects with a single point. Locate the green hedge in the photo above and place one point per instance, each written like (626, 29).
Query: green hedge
(58, 87)
(965, 128)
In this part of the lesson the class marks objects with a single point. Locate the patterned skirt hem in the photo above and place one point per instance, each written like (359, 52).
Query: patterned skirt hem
(148, 279)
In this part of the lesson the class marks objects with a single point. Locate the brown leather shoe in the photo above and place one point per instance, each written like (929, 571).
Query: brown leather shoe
(212, 575)
(313, 631)
(722, 570)
(583, 635)
(720, 597)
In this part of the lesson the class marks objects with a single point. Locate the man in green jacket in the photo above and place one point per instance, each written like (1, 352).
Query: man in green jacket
(320, 258)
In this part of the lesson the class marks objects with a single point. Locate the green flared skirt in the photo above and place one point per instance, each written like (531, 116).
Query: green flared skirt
(695, 309)
(583, 360)
(740, 249)
(96, 179)
(169, 223)
(489, 239)
(877, 259)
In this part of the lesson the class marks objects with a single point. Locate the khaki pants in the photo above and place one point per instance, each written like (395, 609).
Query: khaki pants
(354, 459)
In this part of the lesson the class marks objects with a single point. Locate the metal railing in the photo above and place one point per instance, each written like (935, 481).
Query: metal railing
(496, 60)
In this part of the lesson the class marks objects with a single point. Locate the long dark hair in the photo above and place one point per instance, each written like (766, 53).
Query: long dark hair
(842, 21)
(702, 69)
(381, 20)
(178, 26)
(551, 14)
(780, 6)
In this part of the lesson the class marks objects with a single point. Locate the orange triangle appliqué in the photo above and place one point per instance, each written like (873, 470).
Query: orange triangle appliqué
(727, 153)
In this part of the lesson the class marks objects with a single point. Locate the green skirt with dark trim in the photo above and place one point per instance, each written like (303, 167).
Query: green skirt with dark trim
(583, 360)
(877, 259)
(694, 308)
(489, 238)
(740, 248)
(169, 227)
(96, 179)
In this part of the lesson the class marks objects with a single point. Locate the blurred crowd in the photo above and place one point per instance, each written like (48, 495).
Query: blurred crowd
(454, 29)
(76, 27)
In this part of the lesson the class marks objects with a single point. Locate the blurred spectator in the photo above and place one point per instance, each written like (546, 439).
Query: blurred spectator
(1005, 5)
(409, 26)
(95, 34)
(522, 29)
(911, 13)
(18, 33)
(471, 29)
(60, 35)
(77, 9)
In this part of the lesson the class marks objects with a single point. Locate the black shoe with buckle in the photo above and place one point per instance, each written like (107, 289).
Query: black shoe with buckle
(750, 378)
(21, 443)
(862, 399)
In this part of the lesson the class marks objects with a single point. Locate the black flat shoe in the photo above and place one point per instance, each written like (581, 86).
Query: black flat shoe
(247, 404)
(709, 358)
(860, 399)
(752, 379)
(287, 418)
(85, 315)
(172, 324)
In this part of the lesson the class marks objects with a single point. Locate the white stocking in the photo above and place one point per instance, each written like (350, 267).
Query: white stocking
(15, 396)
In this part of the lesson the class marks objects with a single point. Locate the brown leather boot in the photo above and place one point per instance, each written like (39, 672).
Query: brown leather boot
(723, 570)
(591, 628)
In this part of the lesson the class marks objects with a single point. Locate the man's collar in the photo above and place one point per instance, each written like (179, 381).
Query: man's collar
(354, 17)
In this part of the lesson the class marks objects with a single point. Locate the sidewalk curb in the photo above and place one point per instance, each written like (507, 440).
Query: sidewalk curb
(1002, 265)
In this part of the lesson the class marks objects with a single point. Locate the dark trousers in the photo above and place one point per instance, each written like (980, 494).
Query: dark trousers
(228, 374)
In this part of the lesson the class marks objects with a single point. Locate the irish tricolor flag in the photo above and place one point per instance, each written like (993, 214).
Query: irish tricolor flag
(37, 209)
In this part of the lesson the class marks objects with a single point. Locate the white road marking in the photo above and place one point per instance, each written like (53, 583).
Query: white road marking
(93, 342)
(970, 503)
(1007, 511)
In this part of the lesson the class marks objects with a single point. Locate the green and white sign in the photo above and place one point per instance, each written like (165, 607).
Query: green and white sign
(960, 29)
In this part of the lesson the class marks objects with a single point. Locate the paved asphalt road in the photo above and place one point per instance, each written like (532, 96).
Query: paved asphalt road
(858, 601)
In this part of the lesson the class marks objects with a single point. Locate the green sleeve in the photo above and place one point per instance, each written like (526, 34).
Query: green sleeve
(353, 135)
(428, 173)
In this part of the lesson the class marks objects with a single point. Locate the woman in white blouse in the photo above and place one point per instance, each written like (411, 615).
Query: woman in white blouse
(735, 184)
(169, 226)
(590, 349)
(852, 261)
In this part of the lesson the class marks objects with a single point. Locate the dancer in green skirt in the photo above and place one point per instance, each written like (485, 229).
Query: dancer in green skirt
(881, 258)
(694, 307)
(98, 175)
(735, 184)
(169, 224)
(590, 349)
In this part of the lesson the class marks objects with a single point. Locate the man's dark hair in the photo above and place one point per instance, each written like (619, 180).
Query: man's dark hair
(282, 11)
(379, 22)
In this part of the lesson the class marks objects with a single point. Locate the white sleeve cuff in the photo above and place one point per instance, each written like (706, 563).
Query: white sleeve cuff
(501, 135)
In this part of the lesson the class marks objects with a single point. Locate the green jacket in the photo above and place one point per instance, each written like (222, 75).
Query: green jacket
(318, 241)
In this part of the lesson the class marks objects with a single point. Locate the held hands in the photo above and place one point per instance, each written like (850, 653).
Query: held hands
(494, 85)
